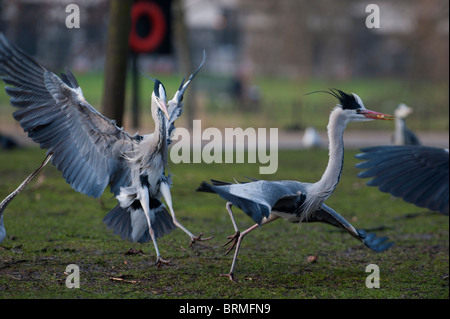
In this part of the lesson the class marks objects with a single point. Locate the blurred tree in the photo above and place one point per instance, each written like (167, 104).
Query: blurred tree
(429, 46)
(329, 39)
(116, 59)
(184, 56)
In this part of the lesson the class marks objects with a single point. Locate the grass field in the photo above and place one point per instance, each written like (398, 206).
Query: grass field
(50, 226)
(283, 103)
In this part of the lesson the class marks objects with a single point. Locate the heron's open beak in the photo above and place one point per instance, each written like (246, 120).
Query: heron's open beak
(163, 106)
(376, 116)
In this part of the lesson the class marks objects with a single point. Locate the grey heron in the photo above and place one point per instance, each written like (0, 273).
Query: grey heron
(92, 152)
(418, 174)
(265, 201)
(402, 135)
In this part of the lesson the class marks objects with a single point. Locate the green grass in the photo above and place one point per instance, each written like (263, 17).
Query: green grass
(50, 226)
(283, 101)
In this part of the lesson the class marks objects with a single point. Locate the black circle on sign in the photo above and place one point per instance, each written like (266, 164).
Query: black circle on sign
(148, 27)
(143, 26)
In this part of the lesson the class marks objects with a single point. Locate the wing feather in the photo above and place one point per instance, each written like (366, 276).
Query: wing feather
(87, 147)
(257, 198)
(175, 105)
(418, 174)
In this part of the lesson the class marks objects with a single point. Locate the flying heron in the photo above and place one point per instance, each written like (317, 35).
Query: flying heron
(92, 152)
(265, 201)
(402, 135)
(418, 174)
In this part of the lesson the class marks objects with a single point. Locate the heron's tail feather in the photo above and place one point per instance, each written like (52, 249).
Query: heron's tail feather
(163, 222)
(205, 187)
(131, 224)
(119, 221)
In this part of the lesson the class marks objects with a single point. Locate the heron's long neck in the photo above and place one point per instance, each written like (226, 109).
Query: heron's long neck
(332, 174)
(160, 130)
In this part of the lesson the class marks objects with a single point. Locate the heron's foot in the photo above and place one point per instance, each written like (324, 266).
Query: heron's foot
(233, 238)
(230, 276)
(195, 239)
(160, 261)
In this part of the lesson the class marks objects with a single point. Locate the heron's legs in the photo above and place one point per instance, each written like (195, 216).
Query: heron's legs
(11, 196)
(165, 191)
(232, 238)
(238, 237)
(144, 200)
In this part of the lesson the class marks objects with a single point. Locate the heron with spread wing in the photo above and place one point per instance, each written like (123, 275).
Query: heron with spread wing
(266, 201)
(91, 151)
(418, 174)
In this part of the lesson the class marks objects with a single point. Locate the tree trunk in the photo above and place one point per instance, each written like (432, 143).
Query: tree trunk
(184, 55)
(116, 59)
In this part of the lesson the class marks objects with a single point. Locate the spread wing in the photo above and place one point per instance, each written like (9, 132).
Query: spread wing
(257, 198)
(175, 105)
(87, 147)
(418, 174)
(327, 215)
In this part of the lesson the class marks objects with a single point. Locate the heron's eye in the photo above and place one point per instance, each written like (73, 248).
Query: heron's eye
(358, 111)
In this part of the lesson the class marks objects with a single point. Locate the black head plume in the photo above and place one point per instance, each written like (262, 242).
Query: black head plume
(160, 91)
(346, 101)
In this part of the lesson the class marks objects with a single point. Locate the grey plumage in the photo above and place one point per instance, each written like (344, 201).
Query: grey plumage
(258, 198)
(265, 201)
(130, 224)
(417, 174)
(328, 216)
(91, 151)
(175, 107)
(86, 146)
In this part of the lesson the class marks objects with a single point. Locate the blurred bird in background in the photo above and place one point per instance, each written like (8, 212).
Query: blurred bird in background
(402, 135)
(311, 138)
